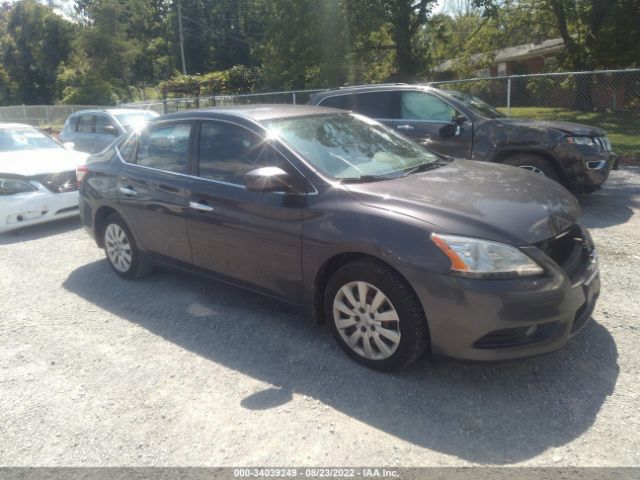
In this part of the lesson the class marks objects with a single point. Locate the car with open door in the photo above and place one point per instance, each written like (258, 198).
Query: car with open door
(400, 251)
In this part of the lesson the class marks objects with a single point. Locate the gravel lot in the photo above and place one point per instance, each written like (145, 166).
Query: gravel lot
(175, 370)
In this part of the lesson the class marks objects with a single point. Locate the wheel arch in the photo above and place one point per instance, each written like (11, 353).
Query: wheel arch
(98, 222)
(330, 266)
(503, 155)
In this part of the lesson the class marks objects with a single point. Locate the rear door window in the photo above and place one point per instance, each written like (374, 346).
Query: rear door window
(379, 105)
(424, 106)
(165, 147)
(87, 124)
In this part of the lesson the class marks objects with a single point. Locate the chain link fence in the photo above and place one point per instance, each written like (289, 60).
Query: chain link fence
(172, 105)
(48, 116)
(608, 99)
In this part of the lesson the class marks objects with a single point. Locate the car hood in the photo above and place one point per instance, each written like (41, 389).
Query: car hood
(564, 127)
(34, 162)
(495, 202)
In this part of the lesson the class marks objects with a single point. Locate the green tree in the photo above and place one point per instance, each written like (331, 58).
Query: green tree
(33, 43)
(401, 22)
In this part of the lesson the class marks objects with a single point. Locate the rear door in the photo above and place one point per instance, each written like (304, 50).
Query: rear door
(151, 189)
(247, 237)
(429, 120)
(83, 137)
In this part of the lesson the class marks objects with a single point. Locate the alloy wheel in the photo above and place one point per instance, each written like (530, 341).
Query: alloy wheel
(366, 320)
(118, 247)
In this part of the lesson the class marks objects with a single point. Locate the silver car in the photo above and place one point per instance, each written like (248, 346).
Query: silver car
(92, 131)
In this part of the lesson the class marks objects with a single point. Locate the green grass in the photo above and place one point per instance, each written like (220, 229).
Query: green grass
(623, 128)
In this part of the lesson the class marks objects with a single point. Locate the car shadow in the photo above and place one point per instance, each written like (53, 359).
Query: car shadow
(498, 413)
(34, 232)
(614, 203)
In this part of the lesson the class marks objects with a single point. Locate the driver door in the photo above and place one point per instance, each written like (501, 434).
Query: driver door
(248, 237)
(429, 120)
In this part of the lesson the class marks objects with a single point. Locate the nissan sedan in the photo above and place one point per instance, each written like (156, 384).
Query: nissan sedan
(399, 250)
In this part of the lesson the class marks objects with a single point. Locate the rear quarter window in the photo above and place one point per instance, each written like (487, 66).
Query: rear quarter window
(342, 102)
(127, 148)
(71, 124)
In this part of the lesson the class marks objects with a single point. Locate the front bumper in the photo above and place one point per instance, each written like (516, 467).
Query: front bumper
(487, 320)
(31, 208)
(586, 169)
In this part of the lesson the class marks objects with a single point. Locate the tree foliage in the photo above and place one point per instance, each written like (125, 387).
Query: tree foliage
(113, 50)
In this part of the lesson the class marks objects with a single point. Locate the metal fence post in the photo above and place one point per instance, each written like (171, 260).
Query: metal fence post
(294, 98)
(24, 111)
(509, 96)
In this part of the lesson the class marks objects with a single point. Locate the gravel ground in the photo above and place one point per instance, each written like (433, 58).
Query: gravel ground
(175, 370)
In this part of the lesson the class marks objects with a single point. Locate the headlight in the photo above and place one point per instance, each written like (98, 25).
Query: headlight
(9, 186)
(589, 141)
(482, 258)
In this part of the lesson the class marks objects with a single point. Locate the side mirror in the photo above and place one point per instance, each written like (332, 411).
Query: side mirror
(460, 120)
(267, 179)
(69, 145)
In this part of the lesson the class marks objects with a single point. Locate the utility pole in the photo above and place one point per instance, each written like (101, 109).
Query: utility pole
(184, 64)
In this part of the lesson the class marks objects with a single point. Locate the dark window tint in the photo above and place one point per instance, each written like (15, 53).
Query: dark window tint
(87, 124)
(165, 147)
(72, 123)
(376, 104)
(339, 101)
(105, 126)
(127, 148)
(227, 152)
(424, 106)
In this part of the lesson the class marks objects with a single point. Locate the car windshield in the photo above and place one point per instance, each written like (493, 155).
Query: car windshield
(132, 120)
(350, 147)
(474, 103)
(24, 138)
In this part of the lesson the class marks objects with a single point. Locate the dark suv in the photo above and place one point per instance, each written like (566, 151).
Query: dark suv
(459, 125)
(399, 250)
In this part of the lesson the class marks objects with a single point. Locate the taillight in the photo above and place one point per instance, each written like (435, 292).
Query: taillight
(81, 171)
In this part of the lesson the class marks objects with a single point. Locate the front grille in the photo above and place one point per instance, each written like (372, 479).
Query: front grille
(603, 143)
(570, 250)
(60, 182)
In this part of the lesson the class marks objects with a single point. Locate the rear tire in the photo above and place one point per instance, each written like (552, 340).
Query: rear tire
(535, 164)
(375, 315)
(121, 250)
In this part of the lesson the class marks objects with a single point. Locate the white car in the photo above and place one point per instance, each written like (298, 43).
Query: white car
(37, 177)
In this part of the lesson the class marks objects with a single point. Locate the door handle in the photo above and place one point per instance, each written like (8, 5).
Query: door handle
(128, 191)
(405, 127)
(202, 207)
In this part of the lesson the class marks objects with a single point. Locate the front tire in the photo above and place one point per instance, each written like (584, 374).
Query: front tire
(121, 250)
(375, 315)
(535, 164)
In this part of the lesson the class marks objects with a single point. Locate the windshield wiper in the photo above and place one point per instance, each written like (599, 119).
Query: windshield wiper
(366, 179)
(423, 167)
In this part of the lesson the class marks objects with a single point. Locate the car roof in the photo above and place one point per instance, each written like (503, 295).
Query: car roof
(6, 126)
(351, 89)
(256, 112)
(115, 111)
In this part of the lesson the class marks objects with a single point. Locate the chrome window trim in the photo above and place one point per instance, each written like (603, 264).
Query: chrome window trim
(220, 182)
